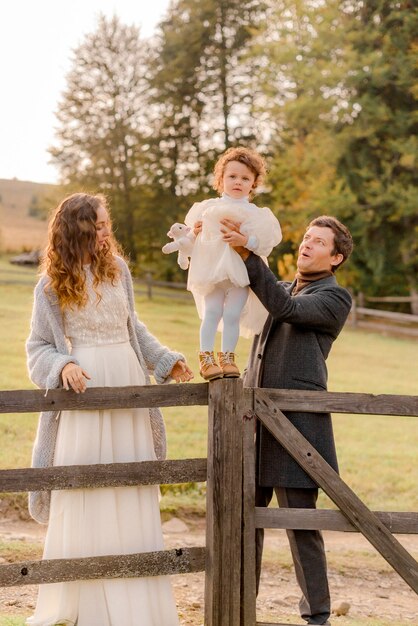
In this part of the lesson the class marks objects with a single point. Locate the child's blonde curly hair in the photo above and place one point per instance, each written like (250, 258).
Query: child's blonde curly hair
(248, 157)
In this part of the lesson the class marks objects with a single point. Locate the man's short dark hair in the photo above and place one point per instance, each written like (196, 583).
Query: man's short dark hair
(343, 241)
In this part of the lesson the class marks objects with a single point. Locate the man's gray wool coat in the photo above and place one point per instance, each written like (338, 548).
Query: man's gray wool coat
(48, 352)
(290, 353)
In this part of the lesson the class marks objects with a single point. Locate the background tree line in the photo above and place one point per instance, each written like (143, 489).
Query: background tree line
(325, 89)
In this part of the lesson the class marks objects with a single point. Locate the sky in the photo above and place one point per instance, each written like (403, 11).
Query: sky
(36, 40)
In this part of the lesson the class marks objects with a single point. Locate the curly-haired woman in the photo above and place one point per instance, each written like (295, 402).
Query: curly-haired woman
(85, 332)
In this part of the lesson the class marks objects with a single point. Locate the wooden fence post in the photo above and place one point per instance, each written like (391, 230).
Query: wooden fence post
(148, 280)
(414, 301)
(248, 583)
(223, 508)
(354, 312)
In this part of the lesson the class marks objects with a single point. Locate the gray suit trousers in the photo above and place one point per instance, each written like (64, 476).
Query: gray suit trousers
(307, 549)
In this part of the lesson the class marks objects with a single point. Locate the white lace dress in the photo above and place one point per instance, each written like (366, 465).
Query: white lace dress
(98, 522)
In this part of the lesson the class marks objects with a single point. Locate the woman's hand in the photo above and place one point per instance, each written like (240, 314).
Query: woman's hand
(74, 376)
(197, 228)
(181, 372)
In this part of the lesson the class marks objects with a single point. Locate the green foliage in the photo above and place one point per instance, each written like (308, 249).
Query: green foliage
(102, 117)
(304, 64)
(323, 88)
(379, 157)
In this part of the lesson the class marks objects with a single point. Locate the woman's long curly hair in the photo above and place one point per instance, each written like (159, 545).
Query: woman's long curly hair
(72, 234)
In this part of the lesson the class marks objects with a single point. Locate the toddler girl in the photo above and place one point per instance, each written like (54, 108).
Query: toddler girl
(218, 277)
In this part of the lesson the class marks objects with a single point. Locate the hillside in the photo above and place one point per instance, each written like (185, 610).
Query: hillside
(18, 230)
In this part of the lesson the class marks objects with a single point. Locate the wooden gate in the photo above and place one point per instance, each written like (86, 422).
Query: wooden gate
(229, 556)
(233, 411)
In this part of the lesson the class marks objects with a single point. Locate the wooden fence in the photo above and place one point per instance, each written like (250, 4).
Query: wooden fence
(412, 300)
(360, 316)
(167, 289)
(383, 321)
(229, 556)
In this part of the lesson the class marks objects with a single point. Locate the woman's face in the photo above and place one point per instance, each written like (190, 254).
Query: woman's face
(102, 227)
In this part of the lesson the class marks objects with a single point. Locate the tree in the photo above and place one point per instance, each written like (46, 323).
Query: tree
(200, 85)
(304, 58)
(379, 157)
(230, 70)
(198, 94)
(103, 124)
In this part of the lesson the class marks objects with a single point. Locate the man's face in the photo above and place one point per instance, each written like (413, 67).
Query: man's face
(316, 250)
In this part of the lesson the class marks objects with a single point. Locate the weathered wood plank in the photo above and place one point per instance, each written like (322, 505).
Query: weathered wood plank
(407, 318)
(36, 400)
(387, 328)
(223, 508)
(333, 402)
(323, 474)
(248, 585)
(389, 299)
(305, 519)
(177, 561)
(23, 401)
(103, 475)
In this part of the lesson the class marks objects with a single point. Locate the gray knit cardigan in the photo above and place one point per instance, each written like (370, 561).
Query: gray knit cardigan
(48, 352)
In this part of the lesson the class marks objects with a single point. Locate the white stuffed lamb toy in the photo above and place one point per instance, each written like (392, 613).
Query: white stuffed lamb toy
(183, 243)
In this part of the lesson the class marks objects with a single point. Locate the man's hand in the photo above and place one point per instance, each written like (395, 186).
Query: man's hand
(74, 376)
(233, 236)
(181, 372)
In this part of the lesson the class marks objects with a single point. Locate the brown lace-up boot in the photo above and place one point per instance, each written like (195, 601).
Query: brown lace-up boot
(209, 369)
(227, 363)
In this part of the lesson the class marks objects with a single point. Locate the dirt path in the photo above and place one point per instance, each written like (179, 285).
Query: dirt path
(358, 576)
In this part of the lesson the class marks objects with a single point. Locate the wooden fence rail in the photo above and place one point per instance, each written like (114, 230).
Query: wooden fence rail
(103, 475)
(303, 519)
(384, 321)
(176, 561)
(361, 299)
(229, 470)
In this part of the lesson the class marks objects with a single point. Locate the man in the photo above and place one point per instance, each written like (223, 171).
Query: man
(305, 317)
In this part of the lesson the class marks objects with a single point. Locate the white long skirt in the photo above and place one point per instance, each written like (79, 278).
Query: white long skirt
(98, 522)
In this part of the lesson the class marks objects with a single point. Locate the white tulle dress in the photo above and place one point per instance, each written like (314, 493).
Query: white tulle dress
(214, 262)
(98, 522)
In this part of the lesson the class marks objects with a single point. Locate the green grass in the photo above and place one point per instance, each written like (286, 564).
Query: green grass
(12, 621)
(376, 453)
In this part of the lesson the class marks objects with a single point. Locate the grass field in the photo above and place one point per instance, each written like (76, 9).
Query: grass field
(376, 453)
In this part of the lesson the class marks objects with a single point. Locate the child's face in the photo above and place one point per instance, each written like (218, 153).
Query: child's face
(238, 180)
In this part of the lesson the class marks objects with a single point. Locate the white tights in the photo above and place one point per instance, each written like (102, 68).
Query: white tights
(225, 302)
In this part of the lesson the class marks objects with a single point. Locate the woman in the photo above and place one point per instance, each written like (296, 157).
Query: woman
(84, 332)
